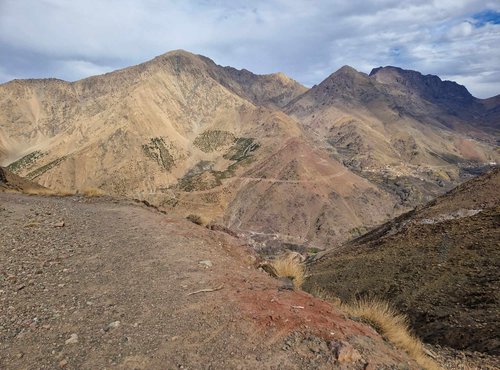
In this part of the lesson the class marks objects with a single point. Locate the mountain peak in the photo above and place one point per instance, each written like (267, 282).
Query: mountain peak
(346, 69)
(343, 80)
(428, 86)
(178, 52)
(374, 71)
(344, 73)
(280, 76)
(179, 55)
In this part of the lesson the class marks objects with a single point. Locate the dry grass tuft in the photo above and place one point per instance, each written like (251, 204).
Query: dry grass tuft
(393, 326)
(93, 192)
(64, 193)
(37, 191)
(387, 321)
(47, 192)
(195, 219)
(291, 268)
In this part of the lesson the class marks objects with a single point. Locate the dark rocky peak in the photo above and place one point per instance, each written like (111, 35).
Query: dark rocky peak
(346, 84)
(345, 78)
(430, 87)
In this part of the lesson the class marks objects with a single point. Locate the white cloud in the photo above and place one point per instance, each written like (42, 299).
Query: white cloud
(77, 69)
(463, 29)
(305, 39)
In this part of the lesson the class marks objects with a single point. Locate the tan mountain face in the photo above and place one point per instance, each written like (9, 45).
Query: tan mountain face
(323, 201)
(398, 126)
(193, 137)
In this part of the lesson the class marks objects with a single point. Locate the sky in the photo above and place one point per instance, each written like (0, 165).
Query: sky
(308, 40)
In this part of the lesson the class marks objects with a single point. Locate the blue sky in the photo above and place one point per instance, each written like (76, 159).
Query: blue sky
(308, 39)
(485, 17)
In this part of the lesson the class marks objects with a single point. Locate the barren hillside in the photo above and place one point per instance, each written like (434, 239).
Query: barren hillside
(11, 182)
(439, 264)
(196, 138)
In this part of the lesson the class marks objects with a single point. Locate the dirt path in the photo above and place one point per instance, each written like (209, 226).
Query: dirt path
(110, 289)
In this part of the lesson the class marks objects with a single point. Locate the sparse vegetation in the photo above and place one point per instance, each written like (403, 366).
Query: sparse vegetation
(203, 177)
(357, 231)
(25, 161)
(291, 268)
(41, 170)
(88, 192)
(196, 178)
(48, 192)
(388, 322)
(93, 192)
(195, 219)
(242, 148)
(157, 150)
(241, 152)
(212, 140)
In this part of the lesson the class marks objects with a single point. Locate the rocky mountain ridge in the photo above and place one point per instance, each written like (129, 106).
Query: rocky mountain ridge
(400, 127)
(237, 148)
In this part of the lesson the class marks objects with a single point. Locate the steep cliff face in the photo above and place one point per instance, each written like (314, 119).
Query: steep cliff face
(427, 86)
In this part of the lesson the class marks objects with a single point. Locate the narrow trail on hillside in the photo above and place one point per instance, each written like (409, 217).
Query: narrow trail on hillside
(320, 179)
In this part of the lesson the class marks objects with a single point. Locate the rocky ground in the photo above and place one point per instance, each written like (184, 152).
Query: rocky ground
(105, 283)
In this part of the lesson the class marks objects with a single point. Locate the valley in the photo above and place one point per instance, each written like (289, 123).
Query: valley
(142, 209)
(261, 154)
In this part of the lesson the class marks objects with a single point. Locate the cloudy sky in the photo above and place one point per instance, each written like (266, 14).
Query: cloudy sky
(307, 39)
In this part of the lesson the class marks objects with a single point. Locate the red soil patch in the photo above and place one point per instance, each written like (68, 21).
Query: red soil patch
(288, 311)
(468, 150)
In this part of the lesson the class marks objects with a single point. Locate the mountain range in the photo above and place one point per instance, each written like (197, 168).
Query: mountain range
(261, 154)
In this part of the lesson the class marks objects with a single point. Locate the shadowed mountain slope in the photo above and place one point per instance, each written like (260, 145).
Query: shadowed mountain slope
(439, 264)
